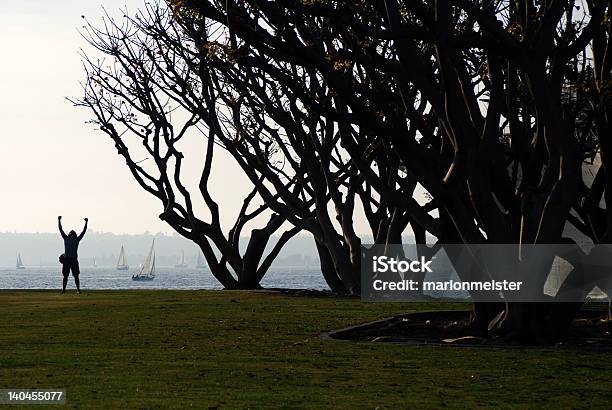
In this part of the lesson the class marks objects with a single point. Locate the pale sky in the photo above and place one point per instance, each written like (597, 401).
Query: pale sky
(55, 164)
(52, 162)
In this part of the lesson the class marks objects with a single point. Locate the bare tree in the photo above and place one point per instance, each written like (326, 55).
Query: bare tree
(491, 108)
(133, 87)
(284, 102)
(497, 145)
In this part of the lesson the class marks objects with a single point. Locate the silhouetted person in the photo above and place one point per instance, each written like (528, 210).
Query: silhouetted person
(70, 261)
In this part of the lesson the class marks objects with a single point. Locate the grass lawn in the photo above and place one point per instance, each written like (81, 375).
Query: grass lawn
(224, 349)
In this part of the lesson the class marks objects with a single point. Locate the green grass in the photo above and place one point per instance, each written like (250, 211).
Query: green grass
(212, 349)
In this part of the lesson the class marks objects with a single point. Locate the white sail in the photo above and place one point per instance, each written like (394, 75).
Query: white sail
(19, 264)
(147, 271)
(122, 262)
(200, 263)
(181, 263)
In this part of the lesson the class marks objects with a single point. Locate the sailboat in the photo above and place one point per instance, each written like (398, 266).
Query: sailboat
(95, 265)
(122, 263)
(147, 271)
(19, 264)
(201, 263)
(181, 263)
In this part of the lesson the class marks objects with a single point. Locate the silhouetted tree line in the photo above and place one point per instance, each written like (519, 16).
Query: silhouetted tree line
(490, 107)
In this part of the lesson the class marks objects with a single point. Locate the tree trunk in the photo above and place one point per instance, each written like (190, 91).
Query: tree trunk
(328, 270)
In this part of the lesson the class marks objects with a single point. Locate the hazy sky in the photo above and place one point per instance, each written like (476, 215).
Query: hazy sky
(52, 162)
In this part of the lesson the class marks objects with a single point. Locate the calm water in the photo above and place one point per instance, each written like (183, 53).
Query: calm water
(167, 278)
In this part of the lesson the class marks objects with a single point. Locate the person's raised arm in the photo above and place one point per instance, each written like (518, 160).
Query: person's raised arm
(84, 229)
(59, 223)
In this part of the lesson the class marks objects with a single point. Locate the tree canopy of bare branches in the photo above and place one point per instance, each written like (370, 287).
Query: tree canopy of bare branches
(490, 107)
(134, 88)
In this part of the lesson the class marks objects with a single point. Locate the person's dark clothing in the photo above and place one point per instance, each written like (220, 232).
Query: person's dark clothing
(71, 246)
(70, 264)
(71, 242)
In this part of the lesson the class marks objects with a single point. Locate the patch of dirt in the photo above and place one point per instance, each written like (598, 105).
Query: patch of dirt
(591, 330)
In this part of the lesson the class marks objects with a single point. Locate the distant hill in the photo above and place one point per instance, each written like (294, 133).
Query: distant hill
(43, 249)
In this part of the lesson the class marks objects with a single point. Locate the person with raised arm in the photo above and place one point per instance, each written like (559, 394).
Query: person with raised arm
(70, 258)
